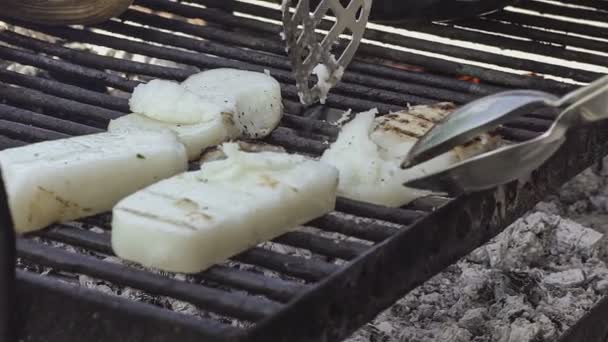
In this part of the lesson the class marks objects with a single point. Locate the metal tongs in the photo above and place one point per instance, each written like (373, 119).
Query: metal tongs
(586, 105)
(306, 52)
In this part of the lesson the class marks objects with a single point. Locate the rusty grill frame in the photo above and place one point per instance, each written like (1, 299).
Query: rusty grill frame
(434, 232)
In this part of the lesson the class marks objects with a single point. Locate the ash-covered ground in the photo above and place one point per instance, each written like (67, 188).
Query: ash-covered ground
(530, 283)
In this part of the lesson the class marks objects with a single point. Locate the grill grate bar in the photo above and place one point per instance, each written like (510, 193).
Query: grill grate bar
(302, 268)
(36, 294)
(96, 61)
(101, 243)
(43, 121)
(20, 131)
(288, 137)
(494, 77)
(419, 94)
(516, 134)
(307, 124)
(232, 304)
(306, 269)
(371, 231)
(282, 136)
(566, 11)
(6, 142)
(536, 34)
(51, 64)
(88, 59)
(423, 45)
(517, 44)
(60, 105)
(236, 57)
(599, 4)
(430, 63)
(394, 215)
(65, 91)
(550, 23)
(344, 249)
(273, 288)
(431, 80)
(273, 46)
(530, 124)
(481, 56)
(195, 59)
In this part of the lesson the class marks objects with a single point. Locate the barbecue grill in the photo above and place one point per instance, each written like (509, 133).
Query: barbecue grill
(373, 255)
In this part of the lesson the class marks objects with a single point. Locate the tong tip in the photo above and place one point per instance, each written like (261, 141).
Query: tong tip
(417, 157)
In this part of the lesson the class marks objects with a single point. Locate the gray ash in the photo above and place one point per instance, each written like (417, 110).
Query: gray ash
(530, 283)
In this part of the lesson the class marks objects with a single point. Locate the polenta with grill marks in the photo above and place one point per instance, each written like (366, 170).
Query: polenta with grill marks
(369, 151)
(196, 219)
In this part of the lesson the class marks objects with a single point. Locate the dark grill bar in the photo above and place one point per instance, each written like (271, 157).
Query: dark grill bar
(274, 288)
(548, 8)
(235, 305)
(318, 283)
(414, 43)
(553, 24)
(8, 319)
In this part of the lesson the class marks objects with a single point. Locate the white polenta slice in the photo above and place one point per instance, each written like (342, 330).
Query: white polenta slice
(369, 151)
(62, 180)
(195, 138)
(208, 108)
(252, 98)
(196, 219)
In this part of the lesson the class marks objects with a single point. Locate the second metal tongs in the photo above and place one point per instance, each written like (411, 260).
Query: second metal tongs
(514, 161)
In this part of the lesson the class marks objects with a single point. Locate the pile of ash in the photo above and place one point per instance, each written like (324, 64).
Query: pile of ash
(530, 283)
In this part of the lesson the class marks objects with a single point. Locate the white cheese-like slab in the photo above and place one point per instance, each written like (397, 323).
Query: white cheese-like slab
(369, 151)
(207, 109)
(195, 138)
(63, 180)
(252, 98)
(169, 101)
(193, 220)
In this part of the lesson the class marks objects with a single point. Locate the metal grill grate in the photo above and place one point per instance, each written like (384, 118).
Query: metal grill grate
(335, 282)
